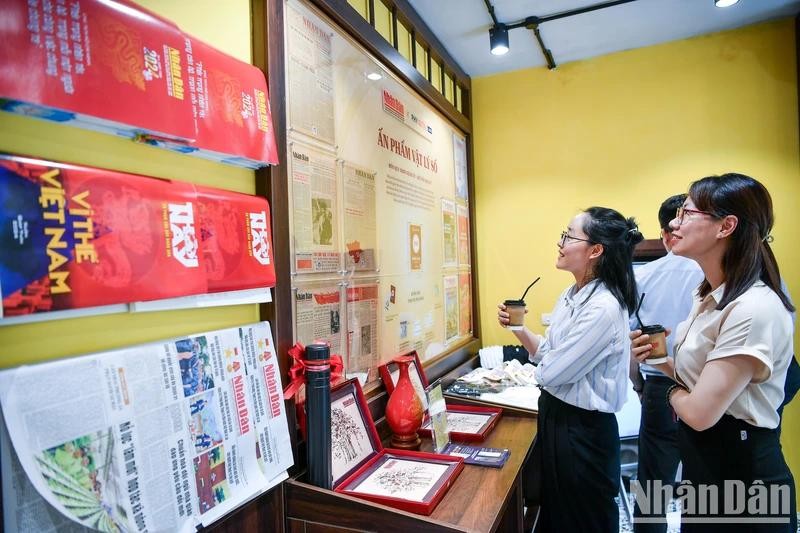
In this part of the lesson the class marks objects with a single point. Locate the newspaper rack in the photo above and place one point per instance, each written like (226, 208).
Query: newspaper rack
(482, 419)
(412, 481)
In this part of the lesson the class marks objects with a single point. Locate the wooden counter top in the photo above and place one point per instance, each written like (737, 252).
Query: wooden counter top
(478, 498)
(481, 499)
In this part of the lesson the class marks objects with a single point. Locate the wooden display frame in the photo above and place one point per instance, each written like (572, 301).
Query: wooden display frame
(360, 472)
(354, 485)
(341, 395)
(493, 415)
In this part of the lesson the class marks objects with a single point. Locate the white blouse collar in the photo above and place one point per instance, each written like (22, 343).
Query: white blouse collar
(576, 299)
(719, 292)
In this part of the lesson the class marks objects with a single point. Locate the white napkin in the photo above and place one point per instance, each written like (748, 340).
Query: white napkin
(491, 356)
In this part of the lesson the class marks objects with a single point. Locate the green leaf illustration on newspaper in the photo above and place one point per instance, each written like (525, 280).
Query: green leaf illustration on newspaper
(78, 473)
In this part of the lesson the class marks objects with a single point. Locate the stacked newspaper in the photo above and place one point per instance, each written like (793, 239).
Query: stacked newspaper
(165, 436)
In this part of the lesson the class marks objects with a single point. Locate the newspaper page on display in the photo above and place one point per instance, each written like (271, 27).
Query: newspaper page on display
(450, 308)
(449, 237)
(362, 327)
(310, 76)
(23, 508)
(159, 437)
(273, 446)
(315, 213)
(460, 166)
(318, 315)
(463, 235)
(360, 236)
(464, 303)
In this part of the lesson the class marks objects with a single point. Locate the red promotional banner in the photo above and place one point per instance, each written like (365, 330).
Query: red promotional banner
(81, 237)
(235, 238)
(111, 66)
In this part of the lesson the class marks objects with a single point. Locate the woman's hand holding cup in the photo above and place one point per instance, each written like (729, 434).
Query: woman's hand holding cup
(641, 347)
(511, 315)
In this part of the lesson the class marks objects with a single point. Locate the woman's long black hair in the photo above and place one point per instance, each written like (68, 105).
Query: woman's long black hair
(614, 267)
(749, 256)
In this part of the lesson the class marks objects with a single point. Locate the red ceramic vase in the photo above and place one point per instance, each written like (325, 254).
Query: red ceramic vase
(404, 409)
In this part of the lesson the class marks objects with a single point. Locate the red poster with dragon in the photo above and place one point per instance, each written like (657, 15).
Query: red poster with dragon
(77, 237)
(235, 240)
(109, 60)
(231, 106)
(115, 67)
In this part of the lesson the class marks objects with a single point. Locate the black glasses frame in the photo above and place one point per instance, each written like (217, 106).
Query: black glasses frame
(680, 213)
(565, 235)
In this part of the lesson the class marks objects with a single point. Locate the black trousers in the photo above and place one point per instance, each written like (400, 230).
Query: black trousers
(658, 446)
(580, 468)
(733, 452)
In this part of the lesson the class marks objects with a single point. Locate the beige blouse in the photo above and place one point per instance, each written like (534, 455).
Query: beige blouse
(755, 324)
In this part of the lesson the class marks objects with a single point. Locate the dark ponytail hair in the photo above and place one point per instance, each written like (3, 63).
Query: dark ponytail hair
(749, 256)
(614, 267)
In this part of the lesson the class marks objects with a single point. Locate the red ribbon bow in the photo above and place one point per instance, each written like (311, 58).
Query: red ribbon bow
(297, 373)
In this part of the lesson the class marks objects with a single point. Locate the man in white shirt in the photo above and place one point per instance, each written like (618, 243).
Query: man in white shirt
(668, 283)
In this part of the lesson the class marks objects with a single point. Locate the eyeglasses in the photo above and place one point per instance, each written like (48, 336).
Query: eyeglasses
(680, 214)
(566, 238)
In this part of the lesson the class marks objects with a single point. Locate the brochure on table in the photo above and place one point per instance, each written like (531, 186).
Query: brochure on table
(476, 455)
(169, 435)
(437, 417)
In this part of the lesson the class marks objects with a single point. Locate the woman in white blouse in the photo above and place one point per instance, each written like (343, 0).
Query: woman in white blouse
(582, 370)
(730, 362)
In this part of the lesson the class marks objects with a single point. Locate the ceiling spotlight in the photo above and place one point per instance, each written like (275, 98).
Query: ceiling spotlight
(374, 76)
(498, 39)
(724, 3)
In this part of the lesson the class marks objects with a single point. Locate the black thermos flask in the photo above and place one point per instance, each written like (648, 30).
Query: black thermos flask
(318, 415)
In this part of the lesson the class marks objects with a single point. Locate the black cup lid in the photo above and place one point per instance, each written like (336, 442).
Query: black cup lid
(514, 302)
(317, 351)
(655, 328)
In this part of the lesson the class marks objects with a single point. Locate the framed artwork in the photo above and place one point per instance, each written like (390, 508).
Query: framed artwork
(466, 423)
(412, 481)
(354, 439)
(361, 467)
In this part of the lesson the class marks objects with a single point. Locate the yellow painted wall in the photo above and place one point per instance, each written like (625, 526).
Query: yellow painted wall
(626, 131)
(223, 25)
(227, 29)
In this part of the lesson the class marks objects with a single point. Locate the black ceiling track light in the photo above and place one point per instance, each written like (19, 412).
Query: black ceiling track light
(498, 33)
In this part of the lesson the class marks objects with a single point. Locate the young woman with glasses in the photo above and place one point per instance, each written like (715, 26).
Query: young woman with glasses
(730, 360)
(583, 372)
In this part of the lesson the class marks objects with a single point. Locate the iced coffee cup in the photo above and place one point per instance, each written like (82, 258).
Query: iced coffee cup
(658, 338)
(516, 314)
